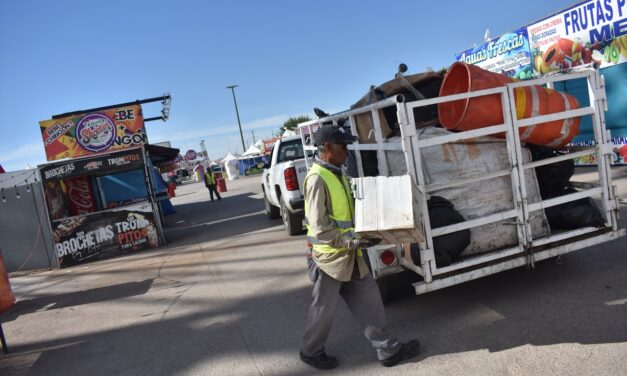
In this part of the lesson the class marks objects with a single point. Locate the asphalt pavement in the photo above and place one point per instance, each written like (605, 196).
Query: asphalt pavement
(229, 293)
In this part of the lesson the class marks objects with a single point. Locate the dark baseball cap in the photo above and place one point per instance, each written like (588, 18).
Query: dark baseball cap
(333, 133)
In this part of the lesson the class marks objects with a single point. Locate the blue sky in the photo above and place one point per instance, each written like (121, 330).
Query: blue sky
(286, 56)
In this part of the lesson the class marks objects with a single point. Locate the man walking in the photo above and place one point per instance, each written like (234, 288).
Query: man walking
(337, 265)
(210, 183)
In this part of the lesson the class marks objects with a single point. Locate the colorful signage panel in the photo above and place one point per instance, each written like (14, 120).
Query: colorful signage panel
(590, 32)
(93, 133)
(105, 234)
(269, 144)
(508, 54)
(101, 165)
(190, 155)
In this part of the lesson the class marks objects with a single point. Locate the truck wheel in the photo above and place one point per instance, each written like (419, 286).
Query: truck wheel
(271, 211)
(293, 222)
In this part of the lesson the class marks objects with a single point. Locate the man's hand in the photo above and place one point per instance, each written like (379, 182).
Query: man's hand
(357, 243)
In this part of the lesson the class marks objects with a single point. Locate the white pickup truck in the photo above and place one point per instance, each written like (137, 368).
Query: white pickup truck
(282, 184)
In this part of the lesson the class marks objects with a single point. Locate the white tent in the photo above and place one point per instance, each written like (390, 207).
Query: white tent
(252, 150)
(288, 132)
(230, 164)
(230, 157)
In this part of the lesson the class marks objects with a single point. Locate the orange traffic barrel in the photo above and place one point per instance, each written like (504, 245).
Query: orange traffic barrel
(485, 111)
(7, 299)
(221, 185)
(171, 190)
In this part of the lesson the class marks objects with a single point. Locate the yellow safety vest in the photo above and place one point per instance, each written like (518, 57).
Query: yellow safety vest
(209, 178)
(342, 208)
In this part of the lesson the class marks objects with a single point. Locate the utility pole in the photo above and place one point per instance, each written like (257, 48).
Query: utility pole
(204, 150)
(253, 132)
(232, 87)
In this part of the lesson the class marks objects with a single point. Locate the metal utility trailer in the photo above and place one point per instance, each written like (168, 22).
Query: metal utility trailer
(529, 249)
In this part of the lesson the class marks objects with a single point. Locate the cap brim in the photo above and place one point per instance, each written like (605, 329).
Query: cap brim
(345, 139)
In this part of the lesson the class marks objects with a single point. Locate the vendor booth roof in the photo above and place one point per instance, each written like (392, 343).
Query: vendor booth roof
(252, 150)
(161, 153)
(230, 157)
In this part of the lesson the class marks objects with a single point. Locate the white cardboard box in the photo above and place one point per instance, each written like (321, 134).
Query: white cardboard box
(387, 207)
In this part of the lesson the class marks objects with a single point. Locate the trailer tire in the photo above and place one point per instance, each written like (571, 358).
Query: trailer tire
(293, 222)
(271, 211)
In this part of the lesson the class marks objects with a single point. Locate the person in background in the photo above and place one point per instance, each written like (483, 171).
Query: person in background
(337, 265)
(210, 183)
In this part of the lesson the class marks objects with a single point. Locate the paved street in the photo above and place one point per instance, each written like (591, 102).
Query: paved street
(229, 294)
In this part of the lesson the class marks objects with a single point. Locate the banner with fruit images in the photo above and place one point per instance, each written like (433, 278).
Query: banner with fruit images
(93, 133)
(508, 54)
(589, 32)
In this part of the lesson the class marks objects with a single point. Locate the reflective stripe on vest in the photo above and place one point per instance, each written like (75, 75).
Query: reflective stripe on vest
(342, 207)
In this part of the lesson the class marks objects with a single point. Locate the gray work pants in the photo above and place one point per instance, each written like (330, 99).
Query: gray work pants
(363, 300)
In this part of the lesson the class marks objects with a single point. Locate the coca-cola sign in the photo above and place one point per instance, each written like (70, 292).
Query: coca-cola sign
(81, 196)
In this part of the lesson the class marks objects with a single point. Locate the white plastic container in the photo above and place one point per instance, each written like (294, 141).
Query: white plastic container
(387, 207)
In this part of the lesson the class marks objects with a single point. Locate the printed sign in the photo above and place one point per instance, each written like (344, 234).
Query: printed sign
(508, 54)
(190, 155)
(618, 157)
(269, 144)
(102, 164)
(81, 196)
(590, 32)
(86, 134)
(105, 234)
(57, 198)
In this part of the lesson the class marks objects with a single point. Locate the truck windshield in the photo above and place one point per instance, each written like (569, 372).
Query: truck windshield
(290, 150)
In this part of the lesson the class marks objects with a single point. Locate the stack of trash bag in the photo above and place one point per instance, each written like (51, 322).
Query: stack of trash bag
(447, 248)
(554, 181)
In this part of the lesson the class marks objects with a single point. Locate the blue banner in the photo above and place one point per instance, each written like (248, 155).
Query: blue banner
(508, 54)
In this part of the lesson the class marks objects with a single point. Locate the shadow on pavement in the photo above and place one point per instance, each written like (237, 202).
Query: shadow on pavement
(553, 304)
(203, 221)
(101, 294)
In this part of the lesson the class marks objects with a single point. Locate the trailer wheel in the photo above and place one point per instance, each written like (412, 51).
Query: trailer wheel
(293, 222)
(271, 211)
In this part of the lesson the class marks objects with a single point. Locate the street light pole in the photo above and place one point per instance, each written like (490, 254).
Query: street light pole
(232, 87)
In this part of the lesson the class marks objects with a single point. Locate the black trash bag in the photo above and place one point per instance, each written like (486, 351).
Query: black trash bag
(447, 248)
(574, 214)
(370, 163)
(555, 177)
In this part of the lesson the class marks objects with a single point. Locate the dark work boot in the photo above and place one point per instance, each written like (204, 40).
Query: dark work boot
(322, 361)
(408, 350)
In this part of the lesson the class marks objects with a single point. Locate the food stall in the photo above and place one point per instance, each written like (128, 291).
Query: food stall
(101, 188)
(101, 206)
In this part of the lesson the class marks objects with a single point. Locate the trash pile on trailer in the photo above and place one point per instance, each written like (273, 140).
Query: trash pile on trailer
(493, 186)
